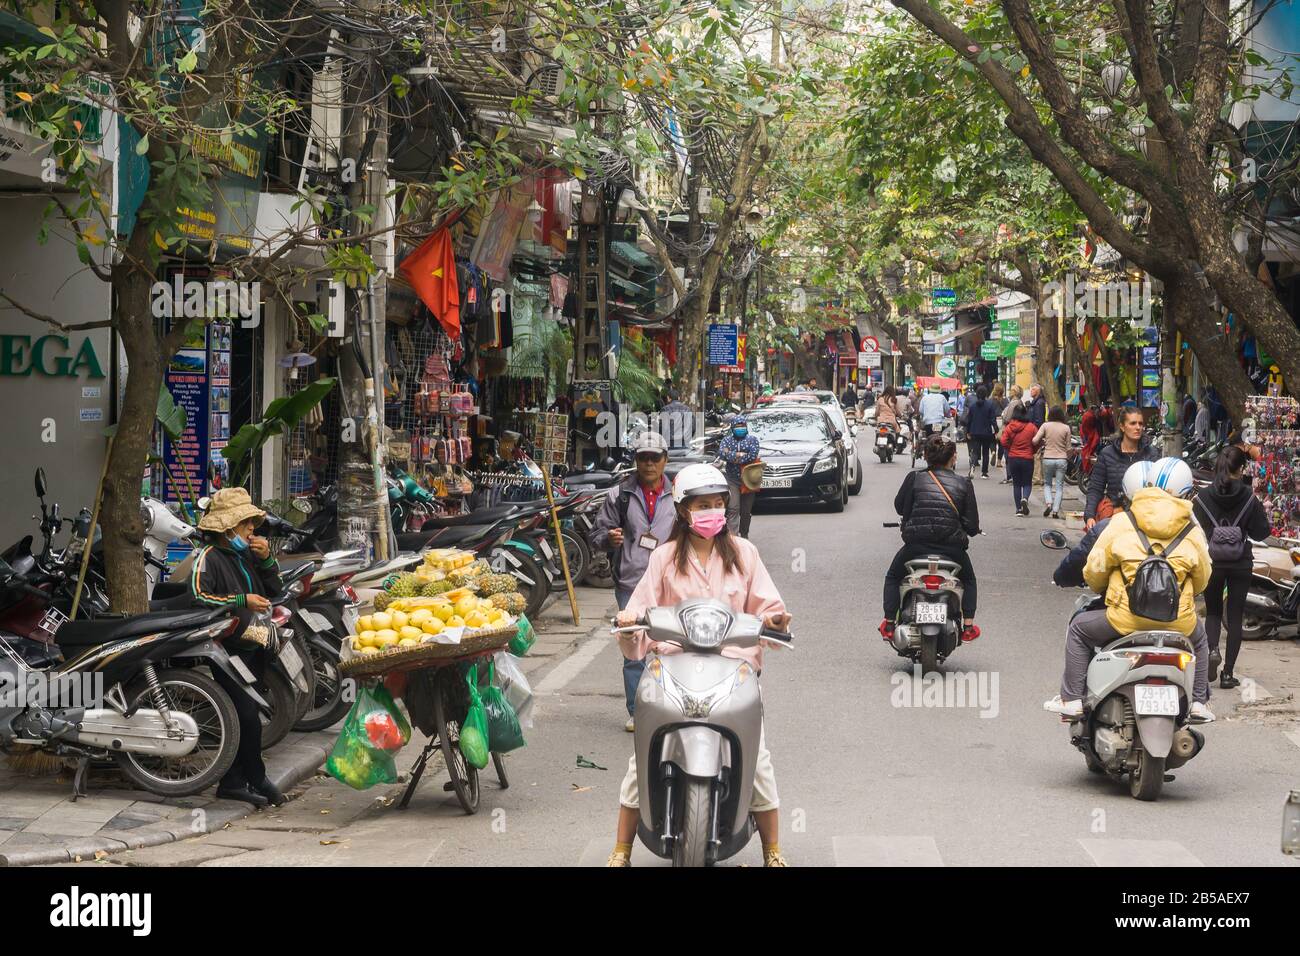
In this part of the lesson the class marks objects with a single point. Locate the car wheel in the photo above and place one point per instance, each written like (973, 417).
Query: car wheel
(836, 504)
(857, 484)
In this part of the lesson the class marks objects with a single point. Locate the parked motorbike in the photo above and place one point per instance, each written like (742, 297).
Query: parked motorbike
(699, 717)
(171, 731)
(1135, 710)
(1273, 601)
(928, 627)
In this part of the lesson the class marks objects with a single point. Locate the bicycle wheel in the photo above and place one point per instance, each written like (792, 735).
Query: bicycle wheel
(500, 766)
(464, 776)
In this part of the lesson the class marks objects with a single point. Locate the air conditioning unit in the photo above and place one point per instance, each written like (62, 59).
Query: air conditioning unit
(547, 78)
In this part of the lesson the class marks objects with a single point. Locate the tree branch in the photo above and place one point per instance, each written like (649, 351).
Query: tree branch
(50, 320)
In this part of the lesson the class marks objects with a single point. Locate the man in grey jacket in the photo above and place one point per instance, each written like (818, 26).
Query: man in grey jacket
(636, 517)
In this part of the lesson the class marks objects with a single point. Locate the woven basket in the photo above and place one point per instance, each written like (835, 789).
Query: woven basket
(422, 655)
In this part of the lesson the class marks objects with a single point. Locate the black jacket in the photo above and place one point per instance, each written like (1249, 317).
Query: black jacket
(1211, 507)
(220, 577)
(982, 418)
(927, 515)
(1037, 410)
(1107, 478)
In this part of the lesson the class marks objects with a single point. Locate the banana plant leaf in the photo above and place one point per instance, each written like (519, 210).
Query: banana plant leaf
(280, 416)
(170, 416)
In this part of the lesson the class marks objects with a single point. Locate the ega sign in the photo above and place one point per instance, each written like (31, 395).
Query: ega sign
(49, 355)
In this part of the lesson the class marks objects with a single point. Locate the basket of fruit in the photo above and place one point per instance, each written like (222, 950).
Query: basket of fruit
(415, 631)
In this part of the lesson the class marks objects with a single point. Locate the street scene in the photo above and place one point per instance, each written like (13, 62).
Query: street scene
(751, 434)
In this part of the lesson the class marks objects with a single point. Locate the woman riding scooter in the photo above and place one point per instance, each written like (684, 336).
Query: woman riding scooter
(1160, 509)
(703, 559)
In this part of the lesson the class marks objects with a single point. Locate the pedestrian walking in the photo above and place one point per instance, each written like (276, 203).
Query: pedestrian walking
(676, 421)
(1053, 439)
(1015, 399)
(981, 430)
(234, 569)
(998, 396)
(738, 449)
(1231, 516)
(632, 522)
(1018, 438)
(1106, 483)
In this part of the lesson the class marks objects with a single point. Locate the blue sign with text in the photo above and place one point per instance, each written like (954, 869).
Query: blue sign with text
(723, 344)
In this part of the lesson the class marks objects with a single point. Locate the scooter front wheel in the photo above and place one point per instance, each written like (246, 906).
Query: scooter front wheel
(692, 844)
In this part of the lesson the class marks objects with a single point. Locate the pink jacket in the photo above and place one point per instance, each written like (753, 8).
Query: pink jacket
(748, 590)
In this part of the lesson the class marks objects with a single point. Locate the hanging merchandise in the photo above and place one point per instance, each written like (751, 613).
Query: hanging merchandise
(1272, 426)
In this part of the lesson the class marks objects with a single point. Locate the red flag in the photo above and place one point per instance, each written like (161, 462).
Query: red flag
(431, 271)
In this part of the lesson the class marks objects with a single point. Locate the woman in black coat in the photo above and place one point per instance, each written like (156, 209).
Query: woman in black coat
(234, 569)
(939, 515)
(1229, 502)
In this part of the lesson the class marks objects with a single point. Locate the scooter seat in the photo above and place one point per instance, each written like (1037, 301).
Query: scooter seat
(103, 630)
(442, 537)
(480, 517)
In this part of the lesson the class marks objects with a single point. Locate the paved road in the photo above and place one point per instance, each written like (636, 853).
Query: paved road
(863, 779)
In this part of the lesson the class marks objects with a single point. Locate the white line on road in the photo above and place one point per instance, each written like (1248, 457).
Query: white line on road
(1293, 736)
(1112, 852)
(571, 666)
(886, 851)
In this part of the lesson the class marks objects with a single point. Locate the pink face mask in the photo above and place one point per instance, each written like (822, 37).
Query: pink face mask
(709, 522)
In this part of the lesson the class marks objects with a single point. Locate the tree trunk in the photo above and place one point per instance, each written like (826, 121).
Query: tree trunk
(120, 521)
(1189, 312)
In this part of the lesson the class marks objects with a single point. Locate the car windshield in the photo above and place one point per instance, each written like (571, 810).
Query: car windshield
(790, 424)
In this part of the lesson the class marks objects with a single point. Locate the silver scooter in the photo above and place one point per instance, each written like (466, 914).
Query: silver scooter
(699, 716)
(1135, 708)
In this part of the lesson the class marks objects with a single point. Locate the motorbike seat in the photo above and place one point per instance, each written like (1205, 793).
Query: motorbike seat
(480, 517)
(104, 630)
(442, 537)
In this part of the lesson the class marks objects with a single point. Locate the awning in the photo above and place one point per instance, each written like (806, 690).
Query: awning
(630, 253)
(934, 381)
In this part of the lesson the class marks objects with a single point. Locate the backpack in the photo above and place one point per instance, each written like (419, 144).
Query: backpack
(1154, 592)
(1227, 540)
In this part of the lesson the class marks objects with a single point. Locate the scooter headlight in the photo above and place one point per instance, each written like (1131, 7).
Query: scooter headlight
(705, 626)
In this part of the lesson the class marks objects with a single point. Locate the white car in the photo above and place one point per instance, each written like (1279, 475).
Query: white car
(831, 403)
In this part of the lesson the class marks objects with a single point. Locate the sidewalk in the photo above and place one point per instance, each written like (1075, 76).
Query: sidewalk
(40, 825)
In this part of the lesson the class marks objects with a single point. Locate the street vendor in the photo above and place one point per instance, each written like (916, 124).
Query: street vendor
(234, 569)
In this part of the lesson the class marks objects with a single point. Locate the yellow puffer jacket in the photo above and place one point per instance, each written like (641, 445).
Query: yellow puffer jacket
(1160, 516)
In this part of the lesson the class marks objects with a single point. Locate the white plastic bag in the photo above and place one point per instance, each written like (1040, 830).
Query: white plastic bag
(510, 678)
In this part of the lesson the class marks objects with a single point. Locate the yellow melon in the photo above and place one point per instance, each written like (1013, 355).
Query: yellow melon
(382, 620)
(386, 637)
(365, 624)
(431, 626)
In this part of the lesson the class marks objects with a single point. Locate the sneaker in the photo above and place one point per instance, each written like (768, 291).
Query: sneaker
(630, 726)
(1056, 515)
(1047, 512)
(969, 633)
(1024, 508)
(1066, 708)
(985, 475)
(1200, 714)
(619, 859)
(1227, 681)
(1215, 660)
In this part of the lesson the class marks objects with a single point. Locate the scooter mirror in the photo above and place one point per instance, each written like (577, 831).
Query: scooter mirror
(303, 505)
(40, 482)
(1054, 540)
(204, 503)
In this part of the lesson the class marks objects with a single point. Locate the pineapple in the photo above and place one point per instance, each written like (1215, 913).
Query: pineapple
(511, 602)
(488, 584)
(432, 588)
(406, 585)
(382, 600)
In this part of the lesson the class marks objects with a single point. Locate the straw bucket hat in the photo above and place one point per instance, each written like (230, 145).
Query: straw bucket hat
(229, 507)
(751, 475)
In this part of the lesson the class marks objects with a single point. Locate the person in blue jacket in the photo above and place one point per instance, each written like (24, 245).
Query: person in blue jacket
(737, 450)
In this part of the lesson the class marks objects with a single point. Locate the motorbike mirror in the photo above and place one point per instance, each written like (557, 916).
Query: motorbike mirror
(40, 483)
(303, 505)
(608, 464)
(204, 503)
(1054, 539)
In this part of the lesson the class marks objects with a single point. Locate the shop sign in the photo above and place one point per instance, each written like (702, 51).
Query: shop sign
(49, 355)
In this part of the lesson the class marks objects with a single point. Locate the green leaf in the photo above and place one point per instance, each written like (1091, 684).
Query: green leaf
(142, 147)
(188, 62)
(170, 416)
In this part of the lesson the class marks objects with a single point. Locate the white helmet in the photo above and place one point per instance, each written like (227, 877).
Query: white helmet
(1169, 474)
(699, 480)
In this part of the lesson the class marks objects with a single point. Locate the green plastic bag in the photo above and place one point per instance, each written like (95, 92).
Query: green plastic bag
(503, 723)
(374, 730)
(524, 638)
(474, 729)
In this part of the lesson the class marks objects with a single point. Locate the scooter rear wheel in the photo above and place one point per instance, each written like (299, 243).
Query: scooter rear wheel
(692, 844)
(929, 654)
(1147, 778)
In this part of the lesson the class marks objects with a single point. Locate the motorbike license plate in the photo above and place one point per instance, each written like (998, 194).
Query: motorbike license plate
(291, 660)
(546, 548)
(777, 482)
(1156, 699)
(931, 613)
(317, 622)
(882, 440)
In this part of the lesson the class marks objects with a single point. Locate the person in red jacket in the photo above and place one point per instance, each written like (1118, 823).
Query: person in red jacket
(1018, 438)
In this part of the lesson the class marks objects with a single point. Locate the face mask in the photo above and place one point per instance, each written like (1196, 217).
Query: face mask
(740, 432)
(238, 543)
(708, 522)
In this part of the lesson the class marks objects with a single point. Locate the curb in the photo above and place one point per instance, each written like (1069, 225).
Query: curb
(284, 770)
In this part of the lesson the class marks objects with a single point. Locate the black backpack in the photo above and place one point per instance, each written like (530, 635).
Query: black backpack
(1154, 592)
(1227, 540)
